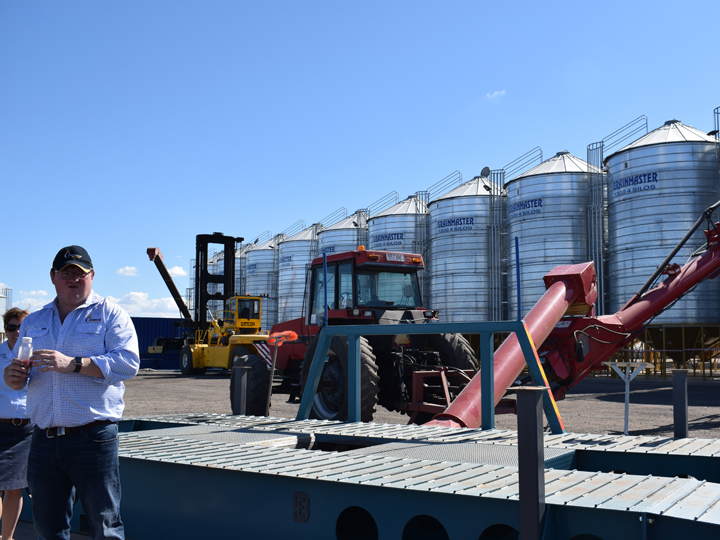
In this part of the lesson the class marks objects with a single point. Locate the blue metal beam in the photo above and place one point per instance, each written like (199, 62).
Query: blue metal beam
(486, 331)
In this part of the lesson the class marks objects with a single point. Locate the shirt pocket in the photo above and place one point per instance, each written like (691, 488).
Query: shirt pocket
(36, 332)
(91, 337)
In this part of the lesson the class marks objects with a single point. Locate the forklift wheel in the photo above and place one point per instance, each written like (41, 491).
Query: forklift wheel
(186, 362)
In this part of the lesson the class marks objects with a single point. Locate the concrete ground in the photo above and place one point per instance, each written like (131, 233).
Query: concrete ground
(596, 405)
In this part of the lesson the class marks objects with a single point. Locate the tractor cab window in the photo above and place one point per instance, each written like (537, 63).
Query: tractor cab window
(248, 309)
(318, 300)
(345, 278)
(387, 289)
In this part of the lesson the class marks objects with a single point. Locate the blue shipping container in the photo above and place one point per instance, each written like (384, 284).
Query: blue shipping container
(148, 330)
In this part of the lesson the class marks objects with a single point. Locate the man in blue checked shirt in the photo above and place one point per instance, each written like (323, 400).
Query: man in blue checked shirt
(84, 348)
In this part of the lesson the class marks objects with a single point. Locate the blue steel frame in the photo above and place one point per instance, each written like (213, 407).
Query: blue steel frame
(485, 330)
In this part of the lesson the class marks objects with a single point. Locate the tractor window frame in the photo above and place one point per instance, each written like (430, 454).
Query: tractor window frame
(318, 305)
(345, 285)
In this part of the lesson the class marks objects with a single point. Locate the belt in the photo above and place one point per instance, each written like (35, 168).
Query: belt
(15, 421)
(53, 432)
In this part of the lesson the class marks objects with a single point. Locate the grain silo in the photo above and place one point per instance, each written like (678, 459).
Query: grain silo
(400, 227)
(459, 222)
(295, 255)
(345, 235)
(657, 188)
(546, 211)
(261, 278)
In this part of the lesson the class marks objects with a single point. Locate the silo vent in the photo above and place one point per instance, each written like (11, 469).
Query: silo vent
(671, 122)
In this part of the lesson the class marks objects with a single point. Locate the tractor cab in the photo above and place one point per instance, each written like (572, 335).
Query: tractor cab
(363, 286)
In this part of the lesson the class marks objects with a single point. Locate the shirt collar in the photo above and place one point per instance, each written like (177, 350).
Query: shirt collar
(93, 298)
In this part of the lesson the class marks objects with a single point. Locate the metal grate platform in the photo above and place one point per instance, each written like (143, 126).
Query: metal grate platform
(463, 462)
(380, 433)
(488, 454)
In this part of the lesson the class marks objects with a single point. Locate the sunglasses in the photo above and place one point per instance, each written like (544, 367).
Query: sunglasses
(12, 327)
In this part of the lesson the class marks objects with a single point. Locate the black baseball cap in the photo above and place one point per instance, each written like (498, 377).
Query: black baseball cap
(72, 255)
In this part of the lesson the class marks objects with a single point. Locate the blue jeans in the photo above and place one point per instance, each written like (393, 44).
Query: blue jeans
(85, 462)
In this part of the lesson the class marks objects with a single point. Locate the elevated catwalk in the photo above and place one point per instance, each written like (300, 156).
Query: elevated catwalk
(257, 477)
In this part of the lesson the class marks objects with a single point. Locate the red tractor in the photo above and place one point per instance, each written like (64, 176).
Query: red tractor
(369, 287)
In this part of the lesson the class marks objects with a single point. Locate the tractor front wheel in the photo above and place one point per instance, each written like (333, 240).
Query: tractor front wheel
(331, 400)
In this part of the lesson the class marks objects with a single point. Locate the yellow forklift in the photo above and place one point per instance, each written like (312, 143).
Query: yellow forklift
(229, 337)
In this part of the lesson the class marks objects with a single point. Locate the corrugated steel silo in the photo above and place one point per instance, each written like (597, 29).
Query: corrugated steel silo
(658, 186)
(399, 228)
(241, 261)
(459, 222)
(345, 235)
(546, 210)
(261, 275)
(296, 254)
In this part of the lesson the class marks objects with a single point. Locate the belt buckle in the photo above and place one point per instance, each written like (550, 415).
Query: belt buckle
(17, 421)
(59, 432)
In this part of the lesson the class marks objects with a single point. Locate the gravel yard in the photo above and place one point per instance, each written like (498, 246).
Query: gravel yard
(596, 405)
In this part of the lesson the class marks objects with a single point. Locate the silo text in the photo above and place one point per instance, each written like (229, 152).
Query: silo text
(455, 224)
(525, 208)
(635, 184)
(387, 240)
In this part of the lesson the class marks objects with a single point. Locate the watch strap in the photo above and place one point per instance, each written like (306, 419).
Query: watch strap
(78, 364)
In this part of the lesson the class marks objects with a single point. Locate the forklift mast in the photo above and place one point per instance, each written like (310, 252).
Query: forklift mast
(223, 283)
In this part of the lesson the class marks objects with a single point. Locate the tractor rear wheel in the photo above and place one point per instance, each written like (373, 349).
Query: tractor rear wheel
(186, 361)
(331, 399)
(454, 350)
(257, 386)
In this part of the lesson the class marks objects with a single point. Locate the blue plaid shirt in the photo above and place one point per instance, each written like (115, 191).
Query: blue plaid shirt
(98, 330)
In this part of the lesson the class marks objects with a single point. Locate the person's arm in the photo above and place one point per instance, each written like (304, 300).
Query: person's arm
(118, 362)
(50, 360)
(121, 359)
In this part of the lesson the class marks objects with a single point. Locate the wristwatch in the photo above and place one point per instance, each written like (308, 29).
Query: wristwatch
(78, 364)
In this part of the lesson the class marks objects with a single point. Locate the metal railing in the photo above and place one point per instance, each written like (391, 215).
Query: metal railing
(485, 330)
(383, 203)
(523, 163)
(443, 186)
(497, 247)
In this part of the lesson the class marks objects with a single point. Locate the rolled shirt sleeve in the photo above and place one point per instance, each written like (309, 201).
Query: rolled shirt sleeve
(121, 360)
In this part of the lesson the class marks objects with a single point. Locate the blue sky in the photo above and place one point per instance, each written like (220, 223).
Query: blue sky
(126, 125)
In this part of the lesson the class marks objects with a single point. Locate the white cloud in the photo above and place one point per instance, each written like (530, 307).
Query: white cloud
(34, 293)
(127, 271)
(495, 94)
(32, 300)
(137, 304)
(176, 271)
